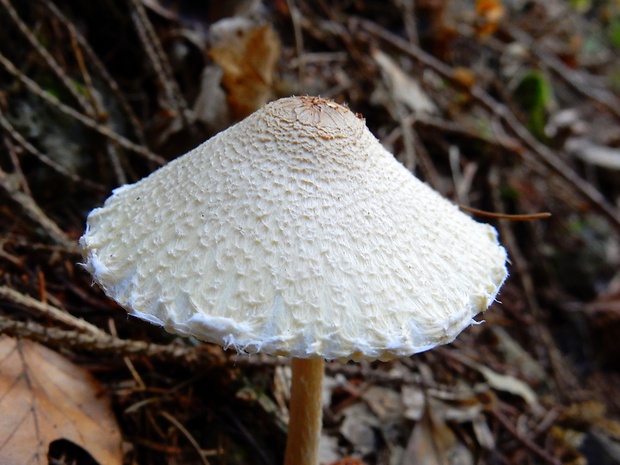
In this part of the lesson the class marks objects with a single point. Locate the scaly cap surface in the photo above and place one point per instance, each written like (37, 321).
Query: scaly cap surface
(295, 233)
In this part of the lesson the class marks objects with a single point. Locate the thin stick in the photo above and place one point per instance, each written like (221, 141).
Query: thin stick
(47, 57)
(49, 311)
(304, 429)
(506, 216)
(21, 140)
(34, 212)
(85, 120)
(18, 173)
(88, 82)
(110, 345)
(299, 43)
(527, 442)
(187, 434)
(94, 60)
(159, 61)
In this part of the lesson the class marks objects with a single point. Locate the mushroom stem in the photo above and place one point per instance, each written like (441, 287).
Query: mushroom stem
(304, 428)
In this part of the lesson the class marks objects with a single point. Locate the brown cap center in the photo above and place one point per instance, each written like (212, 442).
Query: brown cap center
(328, 118)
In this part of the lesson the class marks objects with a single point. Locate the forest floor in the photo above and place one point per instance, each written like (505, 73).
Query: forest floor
(511, 107)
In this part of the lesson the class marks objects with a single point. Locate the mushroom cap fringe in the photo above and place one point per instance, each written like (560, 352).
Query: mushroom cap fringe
(295, 233)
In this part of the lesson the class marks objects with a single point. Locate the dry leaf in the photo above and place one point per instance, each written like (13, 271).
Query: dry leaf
(432, 442)
(464, 76)
(594, 154)
(248, 56)
(414, 402)
(404, 88)
(510, 384)
(513, 353)
(358, 427)
(210, 106)
(483, 433)
(460, 411)
(385, 403)
(489, 14)
(45, 398)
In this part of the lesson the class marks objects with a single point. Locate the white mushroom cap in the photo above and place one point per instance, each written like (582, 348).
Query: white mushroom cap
(295, 233)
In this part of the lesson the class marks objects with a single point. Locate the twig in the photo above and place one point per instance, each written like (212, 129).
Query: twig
(115, 161)
(422, 158)
(159, 61)
(47, 310)
(187, 435)
(94, 60)
(18, 262)
(47, 57)
(17, 169)
(14, 133)
(130, 366)
(542, 152)
(156, 446)
(35, 213)
(250, 437)
(107, 344)
(85, 120)
(396, 378)
(527, 442)
(79, 57)
(28, 243)
(461, 188)
(337, 27)
(113, 155)
(299, 43)
(410, 20)
(506, 216)
(404, 118)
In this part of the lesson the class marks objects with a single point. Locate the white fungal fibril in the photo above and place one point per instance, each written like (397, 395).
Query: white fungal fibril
(295, 233)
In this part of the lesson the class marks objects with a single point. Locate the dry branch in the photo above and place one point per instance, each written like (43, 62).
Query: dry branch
(47, 57)
(85, 120)
(45, 159)
(35, 213)
(109, 345)
(94, 60)
(159, 61)
(49, 311)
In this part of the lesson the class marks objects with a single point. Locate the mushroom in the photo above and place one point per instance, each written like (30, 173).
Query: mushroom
(295, 233)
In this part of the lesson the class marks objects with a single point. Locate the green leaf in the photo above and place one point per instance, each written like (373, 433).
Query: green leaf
(613, 32)
(581, 6)
(533, 94)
